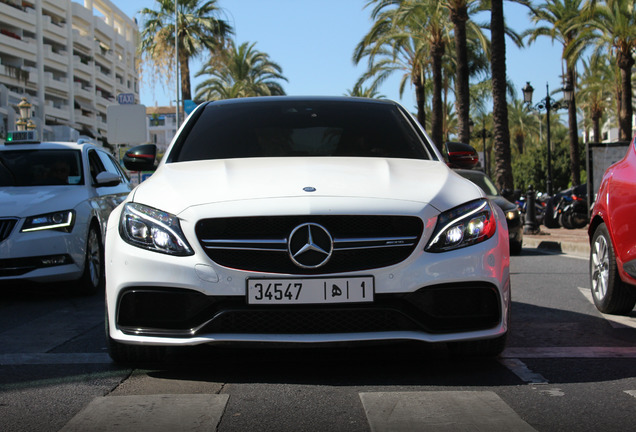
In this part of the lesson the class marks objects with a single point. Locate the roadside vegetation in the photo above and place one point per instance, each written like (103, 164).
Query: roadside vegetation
(451, 53)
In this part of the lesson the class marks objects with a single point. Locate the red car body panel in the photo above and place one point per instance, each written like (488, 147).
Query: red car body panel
(616, 206)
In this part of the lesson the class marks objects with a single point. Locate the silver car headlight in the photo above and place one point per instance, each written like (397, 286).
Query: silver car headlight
(152, 229)
(468, 224)
(60, 221)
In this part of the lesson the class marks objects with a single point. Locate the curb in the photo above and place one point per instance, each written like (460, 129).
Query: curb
(579, 249)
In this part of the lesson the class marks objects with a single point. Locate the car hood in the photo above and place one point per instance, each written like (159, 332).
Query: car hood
(35, 200)
(177, 186)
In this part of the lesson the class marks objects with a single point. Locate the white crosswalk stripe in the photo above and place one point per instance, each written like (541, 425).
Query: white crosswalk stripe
(440, 411)
(151, 413)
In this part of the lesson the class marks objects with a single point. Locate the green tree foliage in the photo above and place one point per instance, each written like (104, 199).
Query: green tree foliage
(242, 72)
(199, 31)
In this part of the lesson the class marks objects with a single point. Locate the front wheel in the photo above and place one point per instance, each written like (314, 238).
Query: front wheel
(611, 295)
(92, 280)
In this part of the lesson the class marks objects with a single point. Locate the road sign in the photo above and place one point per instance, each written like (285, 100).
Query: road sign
(126, 98)
(127, 124)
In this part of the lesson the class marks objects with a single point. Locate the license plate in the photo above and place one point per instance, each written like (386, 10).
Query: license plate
(310, 291)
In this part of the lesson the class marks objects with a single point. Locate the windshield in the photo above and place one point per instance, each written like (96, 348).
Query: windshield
(300, 128)
(40, 167)
(481, 180)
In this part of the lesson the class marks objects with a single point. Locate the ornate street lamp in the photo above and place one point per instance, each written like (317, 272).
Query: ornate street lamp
(548, 104)
(25, 114)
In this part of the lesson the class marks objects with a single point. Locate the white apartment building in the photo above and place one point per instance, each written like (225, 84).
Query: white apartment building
(70, 59)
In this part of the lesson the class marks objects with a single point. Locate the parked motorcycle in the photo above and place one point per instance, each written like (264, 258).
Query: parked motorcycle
(567, 209)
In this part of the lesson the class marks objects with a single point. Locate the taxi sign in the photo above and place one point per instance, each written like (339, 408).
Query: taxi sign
(125, 98)
(21, 137)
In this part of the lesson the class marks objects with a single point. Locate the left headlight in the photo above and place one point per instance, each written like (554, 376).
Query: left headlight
(60, 221)
(153, 229)
(468, 224)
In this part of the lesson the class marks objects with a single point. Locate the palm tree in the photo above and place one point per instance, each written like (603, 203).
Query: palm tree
(558, 16)
(391, 48)
(521, 123)
(611, 27)
(365, 92)
(596, 84)
(460, 11)
(501, 132)
(244, 72)
(418, 28)
(199, 30)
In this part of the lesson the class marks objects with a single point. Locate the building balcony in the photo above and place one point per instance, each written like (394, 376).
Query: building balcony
(56, 60)
(85, 92)
(51, 82)
(21, 48)
(23, 18)
(61, 112)
(82, 40)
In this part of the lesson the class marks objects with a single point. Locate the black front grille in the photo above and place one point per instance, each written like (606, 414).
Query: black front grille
(185, 313)
(260, 243)
(6, 226)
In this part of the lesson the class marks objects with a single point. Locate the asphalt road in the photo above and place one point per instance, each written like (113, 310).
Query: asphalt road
(567, 368)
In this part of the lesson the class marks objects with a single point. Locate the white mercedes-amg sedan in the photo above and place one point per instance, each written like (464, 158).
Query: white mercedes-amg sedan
(304, 221)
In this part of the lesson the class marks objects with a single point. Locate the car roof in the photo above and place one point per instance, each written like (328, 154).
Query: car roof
(264, 99)
(47, 145)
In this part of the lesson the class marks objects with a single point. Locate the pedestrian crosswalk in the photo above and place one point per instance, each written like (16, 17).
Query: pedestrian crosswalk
(385, 411)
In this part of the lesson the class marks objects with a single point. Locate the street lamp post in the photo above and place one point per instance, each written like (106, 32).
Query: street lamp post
(548, 104)
(483, 133)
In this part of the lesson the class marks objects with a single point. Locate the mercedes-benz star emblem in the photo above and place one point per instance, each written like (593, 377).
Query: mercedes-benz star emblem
(310, 245)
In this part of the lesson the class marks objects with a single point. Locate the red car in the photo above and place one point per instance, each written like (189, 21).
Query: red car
(612, 234)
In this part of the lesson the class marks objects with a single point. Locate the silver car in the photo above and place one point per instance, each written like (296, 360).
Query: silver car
(55, 199)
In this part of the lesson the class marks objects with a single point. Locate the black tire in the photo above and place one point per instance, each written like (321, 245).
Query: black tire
(548, 220)
(565, 219)
(92, 280)
(611, 295)
(479, 348)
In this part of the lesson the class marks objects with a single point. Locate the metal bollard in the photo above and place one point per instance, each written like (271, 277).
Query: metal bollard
(530, 226)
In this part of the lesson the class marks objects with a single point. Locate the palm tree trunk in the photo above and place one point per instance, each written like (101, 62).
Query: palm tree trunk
(420, 98)
(186, 90)
(437, 126)
(575, 167)
(625, 63)
(596, 125)
(462, 91)
(503, 169)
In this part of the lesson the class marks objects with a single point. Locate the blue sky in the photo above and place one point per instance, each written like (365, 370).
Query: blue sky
(313, 41)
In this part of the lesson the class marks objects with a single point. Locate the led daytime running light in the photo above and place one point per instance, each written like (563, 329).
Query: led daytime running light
(153, 229)
(463, 226)
(58, 220)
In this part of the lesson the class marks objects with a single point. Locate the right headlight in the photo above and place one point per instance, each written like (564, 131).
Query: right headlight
(152, 229)
(468, 224)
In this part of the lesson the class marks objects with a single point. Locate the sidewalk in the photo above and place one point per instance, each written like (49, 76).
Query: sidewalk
(573, 242)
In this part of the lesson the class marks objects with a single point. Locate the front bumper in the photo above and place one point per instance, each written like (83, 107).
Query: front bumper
(157, 299)
(43, 256)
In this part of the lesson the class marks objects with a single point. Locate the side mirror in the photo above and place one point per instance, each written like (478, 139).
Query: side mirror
(106, 178)
(461, 155)
(141, 158)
